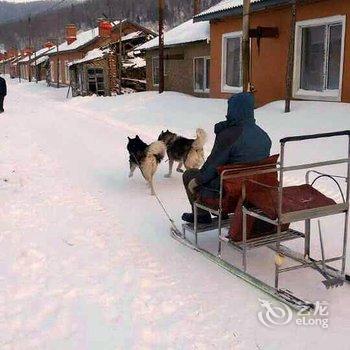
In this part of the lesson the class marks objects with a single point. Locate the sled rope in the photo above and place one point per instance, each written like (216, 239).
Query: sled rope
(165, 211)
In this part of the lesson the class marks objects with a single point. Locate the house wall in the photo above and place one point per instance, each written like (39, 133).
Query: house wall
(80, 87)
(179, 74)
(269, 68)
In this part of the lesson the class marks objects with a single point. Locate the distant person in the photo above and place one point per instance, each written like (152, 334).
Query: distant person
(3, 93)
(238, 140)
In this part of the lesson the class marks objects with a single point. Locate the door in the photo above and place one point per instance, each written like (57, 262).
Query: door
(96, 83)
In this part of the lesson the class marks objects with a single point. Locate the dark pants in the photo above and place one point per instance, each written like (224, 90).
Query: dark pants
(2, 103)
(187, 177)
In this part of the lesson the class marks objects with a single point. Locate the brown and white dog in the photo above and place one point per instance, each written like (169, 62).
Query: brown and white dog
(187, 152)
(146, 158)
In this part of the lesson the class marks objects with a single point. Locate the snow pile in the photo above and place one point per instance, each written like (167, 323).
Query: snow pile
(184, 33)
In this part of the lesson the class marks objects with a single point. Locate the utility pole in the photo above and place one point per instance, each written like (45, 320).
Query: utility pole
(246, 46)
(36, 68)
(290, 60)
(120, 57)
(109, 5)
(161, 44)
(57, 63)
(196, 7)
(29, 47)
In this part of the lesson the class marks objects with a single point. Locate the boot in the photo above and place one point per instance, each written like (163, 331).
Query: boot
(201, 218)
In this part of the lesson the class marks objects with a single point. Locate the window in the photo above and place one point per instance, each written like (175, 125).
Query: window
(201, 66)
(232, 62)
(155, 71)
(96, 82)
(319, 58)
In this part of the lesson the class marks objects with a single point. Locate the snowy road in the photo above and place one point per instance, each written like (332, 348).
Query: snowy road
(86, 259)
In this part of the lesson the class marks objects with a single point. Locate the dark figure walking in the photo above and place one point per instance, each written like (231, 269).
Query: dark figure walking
(3, 93)
(238, 140)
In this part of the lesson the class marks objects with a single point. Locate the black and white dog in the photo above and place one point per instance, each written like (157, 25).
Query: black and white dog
(187, 152)
(145, 157)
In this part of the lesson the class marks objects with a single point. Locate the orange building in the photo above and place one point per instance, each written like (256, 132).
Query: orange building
(322, 49)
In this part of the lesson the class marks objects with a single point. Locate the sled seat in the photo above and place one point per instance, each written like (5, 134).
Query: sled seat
(297, 202)
(232, 178)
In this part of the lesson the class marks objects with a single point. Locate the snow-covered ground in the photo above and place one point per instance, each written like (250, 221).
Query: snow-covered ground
(86, 260)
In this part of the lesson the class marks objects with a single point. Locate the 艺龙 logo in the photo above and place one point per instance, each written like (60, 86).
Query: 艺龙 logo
(273, 315)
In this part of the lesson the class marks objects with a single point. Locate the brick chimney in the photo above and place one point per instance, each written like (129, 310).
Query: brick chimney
(71, 33)
(196, 7)
(48, 45)
(104, 29)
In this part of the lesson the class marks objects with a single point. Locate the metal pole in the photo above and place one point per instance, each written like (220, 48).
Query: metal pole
(290, 61)
(246, 46)
(346, 218)
(161, 45)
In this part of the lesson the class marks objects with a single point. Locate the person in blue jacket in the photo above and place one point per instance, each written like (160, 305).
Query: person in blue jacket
(238, 140)
(3, 93)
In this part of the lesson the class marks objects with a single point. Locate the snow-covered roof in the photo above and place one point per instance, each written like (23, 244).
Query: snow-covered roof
(184, 33)
(38, 54)
(90, 56)
(83, 39)
(227, 6)
(40, 60)
(131, 36)
(135, 62)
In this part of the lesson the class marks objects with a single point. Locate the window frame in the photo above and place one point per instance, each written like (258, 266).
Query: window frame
(327, 94)
(224, 87)
(206, 90)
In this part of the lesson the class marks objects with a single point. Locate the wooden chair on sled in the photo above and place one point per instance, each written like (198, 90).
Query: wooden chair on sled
(262, 210)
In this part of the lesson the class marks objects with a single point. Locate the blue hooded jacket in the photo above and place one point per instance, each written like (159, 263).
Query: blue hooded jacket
(3, 89)
(238, 139)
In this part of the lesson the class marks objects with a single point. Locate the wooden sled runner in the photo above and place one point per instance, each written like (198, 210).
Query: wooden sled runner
(261, 211)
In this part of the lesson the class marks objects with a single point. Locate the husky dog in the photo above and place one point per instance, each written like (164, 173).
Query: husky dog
(145, 157)
(187, 152)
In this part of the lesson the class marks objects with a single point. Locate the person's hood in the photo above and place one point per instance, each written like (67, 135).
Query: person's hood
(240, 111)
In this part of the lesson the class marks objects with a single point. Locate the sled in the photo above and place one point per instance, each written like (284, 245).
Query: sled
(265, 199)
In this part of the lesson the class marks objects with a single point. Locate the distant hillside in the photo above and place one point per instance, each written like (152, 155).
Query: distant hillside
(51, 23)
(13, 11)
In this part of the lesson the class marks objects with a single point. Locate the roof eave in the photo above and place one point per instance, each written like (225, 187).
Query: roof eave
(238, 11)
(173, 45)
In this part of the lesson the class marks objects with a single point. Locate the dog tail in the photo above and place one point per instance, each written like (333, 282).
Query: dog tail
(157, 149)
(201, 139)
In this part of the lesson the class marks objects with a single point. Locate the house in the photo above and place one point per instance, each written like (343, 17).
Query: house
(187, 59)
(97, 73)
(7, 62)
(322, 49)
(77, 45)
(33, 64)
